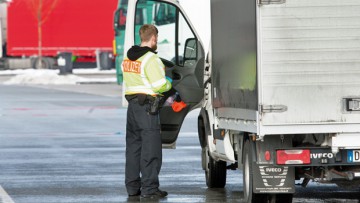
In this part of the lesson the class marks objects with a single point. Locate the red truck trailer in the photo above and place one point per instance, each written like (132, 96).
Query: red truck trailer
(41, 29)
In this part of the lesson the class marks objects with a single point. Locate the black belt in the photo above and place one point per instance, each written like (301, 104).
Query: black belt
(141, 98)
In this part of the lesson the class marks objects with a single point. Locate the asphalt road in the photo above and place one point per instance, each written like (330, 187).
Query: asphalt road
(67, 143)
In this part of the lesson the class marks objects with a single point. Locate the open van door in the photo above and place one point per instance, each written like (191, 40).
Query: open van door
(181, 51)
(1, 39)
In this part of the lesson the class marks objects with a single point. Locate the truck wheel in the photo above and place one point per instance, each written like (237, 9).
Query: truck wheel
(45, 63)
(284, 198)
(215, 171)
(249, 195)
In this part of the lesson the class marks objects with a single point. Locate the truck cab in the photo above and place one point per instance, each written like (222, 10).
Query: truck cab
(181, 51)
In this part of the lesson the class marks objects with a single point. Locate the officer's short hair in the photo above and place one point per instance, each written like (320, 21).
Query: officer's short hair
(147, 31)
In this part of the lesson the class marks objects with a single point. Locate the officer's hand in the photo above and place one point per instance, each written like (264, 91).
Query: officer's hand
(168, 64)
(169, 79)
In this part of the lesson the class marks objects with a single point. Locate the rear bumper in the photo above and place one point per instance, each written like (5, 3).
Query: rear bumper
(325, 157)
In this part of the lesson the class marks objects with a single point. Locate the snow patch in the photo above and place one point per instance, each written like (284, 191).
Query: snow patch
(51, 77)
(43, 77)
(75, 71)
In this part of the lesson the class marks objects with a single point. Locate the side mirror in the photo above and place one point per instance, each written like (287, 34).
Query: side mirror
(190, 50)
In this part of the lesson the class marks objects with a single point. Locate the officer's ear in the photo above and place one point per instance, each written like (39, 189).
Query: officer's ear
(154, 39)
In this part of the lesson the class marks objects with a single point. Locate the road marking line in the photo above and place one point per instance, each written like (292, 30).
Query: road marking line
(4, 196)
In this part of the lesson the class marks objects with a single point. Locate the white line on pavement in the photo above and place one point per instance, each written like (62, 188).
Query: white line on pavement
(4, 197)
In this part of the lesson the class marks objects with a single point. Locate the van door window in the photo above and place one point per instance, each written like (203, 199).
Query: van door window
(159, 14)
(184, 49)
(171, 44)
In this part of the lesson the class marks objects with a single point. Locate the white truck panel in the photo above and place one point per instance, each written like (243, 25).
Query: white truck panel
(309, 61)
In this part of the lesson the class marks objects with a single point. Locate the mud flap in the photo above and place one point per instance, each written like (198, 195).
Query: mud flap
(273, 179)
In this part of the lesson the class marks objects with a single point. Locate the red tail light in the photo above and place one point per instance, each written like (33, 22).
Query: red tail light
(267, 155)
(298, 156)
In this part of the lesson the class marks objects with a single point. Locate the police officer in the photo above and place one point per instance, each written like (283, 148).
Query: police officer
(144, 79)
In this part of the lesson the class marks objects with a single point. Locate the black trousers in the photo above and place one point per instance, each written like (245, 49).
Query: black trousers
(143, 149)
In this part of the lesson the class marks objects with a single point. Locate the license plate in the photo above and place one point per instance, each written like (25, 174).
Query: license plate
(353, 155)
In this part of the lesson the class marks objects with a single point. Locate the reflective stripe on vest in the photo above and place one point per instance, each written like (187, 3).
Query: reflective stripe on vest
(135, 79)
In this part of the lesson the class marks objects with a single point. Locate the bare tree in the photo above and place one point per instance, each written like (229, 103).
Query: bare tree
(41, 10)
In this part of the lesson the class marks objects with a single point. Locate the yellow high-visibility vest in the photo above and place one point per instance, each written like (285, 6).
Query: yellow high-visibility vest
(146, 75)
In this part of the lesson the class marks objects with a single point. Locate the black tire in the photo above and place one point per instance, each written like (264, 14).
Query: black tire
(215, 172)
(45, 63)
(284, 198)
(249, 195)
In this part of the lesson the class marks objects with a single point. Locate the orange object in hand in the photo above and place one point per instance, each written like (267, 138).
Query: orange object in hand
(178, 106)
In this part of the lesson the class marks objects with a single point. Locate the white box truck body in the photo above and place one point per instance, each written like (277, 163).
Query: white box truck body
(307, 68)
(280, 95)
(309, 64)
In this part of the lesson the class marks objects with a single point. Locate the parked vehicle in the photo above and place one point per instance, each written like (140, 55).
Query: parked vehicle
(279, 92)
(164, 17)
(40, 30)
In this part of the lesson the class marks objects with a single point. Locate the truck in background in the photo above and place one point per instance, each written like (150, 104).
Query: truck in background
(119, 32)
(37, 31)
(279, 92)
